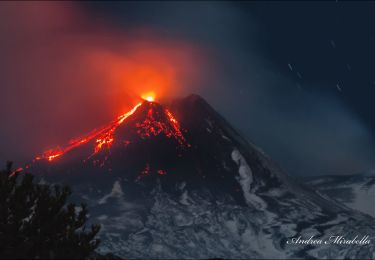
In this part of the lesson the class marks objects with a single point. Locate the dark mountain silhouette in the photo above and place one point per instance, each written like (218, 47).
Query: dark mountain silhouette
(180, 182)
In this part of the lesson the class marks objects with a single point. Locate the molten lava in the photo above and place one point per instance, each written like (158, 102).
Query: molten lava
(158, 120)
(149, 96)
(103, 138)
(154, 124)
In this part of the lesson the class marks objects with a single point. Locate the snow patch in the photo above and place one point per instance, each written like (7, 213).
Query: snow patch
(245, 179)
(102, 217)
(209, 122)
(184, 198)
(225, 137)
(363, 200)
(116, 192)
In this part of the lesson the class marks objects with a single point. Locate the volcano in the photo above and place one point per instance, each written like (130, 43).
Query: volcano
(178, 181)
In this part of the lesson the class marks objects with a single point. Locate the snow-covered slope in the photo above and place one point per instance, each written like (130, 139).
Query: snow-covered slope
(354, 191)
(193, 226)
(200, 191)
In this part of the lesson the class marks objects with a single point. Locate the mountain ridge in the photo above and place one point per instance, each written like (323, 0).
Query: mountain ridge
(211, 196)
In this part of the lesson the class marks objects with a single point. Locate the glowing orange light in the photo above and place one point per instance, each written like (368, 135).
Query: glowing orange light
(156, 122)
(126, 115)
(103, 138)
(16, 171)
(149, 96)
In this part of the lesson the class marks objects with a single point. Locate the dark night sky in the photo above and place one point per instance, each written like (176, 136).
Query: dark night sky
(295, 78)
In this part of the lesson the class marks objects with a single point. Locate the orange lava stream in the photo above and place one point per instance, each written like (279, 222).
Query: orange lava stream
(103, 138)
(155, 123)
(152, 126)
(176, 127)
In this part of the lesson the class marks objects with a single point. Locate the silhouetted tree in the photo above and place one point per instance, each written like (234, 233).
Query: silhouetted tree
(37, 222)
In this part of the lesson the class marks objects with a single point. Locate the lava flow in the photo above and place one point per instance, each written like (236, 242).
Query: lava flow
(157, 121)
(154, 124)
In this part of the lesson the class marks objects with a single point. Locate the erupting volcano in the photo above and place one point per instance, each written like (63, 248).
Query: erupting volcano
(172, 177)
(157, 121)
